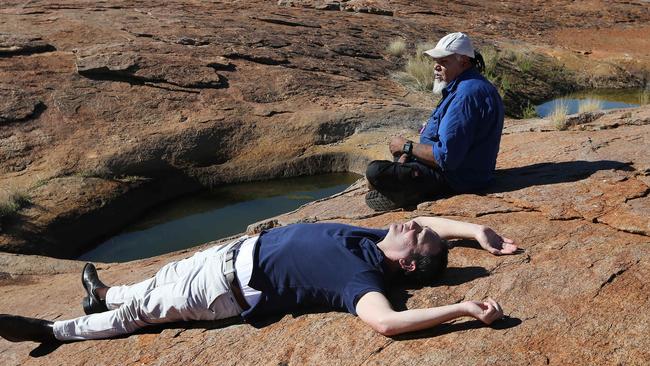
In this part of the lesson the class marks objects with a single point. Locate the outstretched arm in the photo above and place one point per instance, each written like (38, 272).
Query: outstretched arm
(452, 229)
(374, 309)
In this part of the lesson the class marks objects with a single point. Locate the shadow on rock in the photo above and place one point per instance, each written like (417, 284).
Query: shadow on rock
(455, 276)
(399, 290)
(442, 329)
(45, 349)
(468, 243)
(182, 326)
(512, 179)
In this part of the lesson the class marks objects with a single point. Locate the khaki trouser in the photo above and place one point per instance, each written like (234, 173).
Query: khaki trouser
(194, 288)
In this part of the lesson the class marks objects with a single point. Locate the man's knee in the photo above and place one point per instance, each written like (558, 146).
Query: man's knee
(129, 317)
(375, 168)
(380, 172)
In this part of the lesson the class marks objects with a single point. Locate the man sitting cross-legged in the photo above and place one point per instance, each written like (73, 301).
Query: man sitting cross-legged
(283, 269)
(459, 144)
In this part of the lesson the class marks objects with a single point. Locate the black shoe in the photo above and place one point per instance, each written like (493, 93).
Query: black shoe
(16, 328)
(379, 202)
(91, 303)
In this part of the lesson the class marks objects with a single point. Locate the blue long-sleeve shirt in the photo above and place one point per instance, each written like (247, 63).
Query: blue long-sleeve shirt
(465, 131)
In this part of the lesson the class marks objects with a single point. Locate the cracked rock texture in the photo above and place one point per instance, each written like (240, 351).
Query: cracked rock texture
(108, 108)
(576, 295)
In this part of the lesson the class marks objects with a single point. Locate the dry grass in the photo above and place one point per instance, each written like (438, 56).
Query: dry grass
(491, 58)
(421, 47)
(420, 72)
(397, 47)
(131, 178)
(524, 61)
(12, 202)
(645, 97)
(589, 105)
(558, 116)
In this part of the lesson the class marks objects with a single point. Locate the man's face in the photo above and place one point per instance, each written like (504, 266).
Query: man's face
(411, 238)
(448, 68)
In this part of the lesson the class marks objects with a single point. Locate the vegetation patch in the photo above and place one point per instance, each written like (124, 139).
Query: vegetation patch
(131, 178)
(521, 58)
(558, 117)
(418, 70)
(589, 105)
(13, 202)
(529, 111)
(396, 47)
(645, 96)
(523, 77)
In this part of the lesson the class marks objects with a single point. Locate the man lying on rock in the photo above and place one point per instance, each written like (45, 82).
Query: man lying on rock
(459, 143)
(281, 270)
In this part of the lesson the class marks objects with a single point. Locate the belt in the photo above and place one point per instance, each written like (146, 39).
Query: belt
(231, 275)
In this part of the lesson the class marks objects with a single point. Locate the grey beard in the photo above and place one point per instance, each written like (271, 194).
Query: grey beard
(438, 87)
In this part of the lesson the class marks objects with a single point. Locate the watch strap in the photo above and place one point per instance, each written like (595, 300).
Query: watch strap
(408, 148)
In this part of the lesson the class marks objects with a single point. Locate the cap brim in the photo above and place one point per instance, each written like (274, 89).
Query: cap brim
(438, 53)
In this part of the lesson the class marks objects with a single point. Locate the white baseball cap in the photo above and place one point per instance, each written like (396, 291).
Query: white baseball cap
(452, 43)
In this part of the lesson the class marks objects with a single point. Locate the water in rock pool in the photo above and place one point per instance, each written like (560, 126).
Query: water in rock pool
(210, 215)
(608, 99)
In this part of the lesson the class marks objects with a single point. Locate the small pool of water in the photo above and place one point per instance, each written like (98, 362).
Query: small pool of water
(214, 214)
(608, 98)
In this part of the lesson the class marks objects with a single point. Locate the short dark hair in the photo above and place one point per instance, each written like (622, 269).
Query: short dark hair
(428, 267)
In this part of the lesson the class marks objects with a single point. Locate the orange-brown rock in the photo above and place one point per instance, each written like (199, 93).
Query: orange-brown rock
(576, 201)
(187, 95)
(109, 108)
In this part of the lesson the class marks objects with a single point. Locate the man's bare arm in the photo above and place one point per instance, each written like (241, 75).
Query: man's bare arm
(423, 152)
(486, 237)
(374, 309)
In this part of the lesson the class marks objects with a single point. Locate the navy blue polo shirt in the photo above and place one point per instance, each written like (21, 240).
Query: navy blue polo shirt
(465, 131)
(322, 264)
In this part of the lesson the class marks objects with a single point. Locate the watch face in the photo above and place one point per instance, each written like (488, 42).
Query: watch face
(408, 147)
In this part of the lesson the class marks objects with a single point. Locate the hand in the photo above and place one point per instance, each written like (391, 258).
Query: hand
(486, 311)
(396, 145)
(403, 159)
(495, 243)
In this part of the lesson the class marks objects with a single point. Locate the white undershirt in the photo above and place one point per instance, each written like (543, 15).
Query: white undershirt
(244, 270)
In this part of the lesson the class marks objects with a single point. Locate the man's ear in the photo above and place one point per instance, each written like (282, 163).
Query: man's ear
(466, 61)
(407, 265)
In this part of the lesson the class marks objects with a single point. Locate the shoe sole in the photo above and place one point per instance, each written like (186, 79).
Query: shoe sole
(379, 202)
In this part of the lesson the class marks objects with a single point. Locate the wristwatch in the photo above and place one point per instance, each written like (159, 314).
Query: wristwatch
(408, 148)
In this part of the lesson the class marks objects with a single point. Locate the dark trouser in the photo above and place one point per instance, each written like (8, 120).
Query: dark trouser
(408, 183)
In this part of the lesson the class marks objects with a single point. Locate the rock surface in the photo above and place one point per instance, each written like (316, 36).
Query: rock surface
(128, 104)
(576, 201)
(188, 95)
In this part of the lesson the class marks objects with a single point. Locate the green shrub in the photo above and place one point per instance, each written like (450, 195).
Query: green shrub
(505, 84)
(529, 111)
(14, 202)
